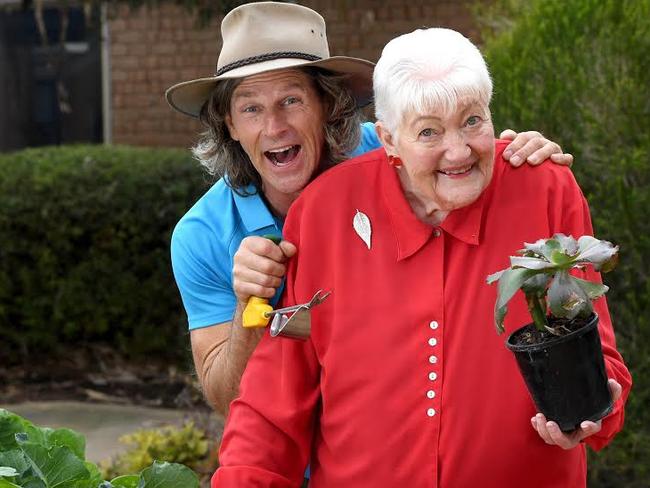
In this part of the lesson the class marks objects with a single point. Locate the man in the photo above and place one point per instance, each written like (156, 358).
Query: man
(279, 111)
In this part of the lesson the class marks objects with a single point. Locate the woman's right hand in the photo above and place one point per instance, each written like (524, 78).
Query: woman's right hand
(259, 266)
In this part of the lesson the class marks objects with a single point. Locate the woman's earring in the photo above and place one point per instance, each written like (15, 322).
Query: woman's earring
(394, 161)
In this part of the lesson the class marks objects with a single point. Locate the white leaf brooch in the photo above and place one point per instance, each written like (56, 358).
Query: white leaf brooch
(362, 227)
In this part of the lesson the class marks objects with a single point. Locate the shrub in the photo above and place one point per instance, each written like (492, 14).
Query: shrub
(85, 236)
(186, 445)
(579, 72)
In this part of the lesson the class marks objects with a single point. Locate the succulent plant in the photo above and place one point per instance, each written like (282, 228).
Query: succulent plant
(542, 272)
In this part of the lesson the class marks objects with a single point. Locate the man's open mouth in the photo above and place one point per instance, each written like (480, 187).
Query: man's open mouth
(283, 155)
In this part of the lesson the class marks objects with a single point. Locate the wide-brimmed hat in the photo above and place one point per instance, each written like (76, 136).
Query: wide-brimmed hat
(268, 36)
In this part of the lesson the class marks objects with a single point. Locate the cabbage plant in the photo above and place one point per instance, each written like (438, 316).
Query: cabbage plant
(40, 457)
(542, 272)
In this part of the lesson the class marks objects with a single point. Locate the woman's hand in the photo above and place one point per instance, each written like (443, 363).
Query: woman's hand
(259, 266)
(534, 148)
(550, 432)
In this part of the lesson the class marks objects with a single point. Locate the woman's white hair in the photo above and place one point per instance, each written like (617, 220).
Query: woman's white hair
(428, 69)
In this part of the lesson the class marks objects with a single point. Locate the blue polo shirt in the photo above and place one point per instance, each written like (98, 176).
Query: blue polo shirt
(206, 238)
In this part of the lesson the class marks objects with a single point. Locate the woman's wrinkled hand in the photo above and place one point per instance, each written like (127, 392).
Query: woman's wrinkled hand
(259, 266)
(534, 148)
(550, 432)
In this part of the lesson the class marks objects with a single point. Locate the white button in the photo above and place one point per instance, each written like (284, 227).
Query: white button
(436, 233)
(433, 324)
(431, 394)
(433, 341)
(431, 412)
(433, 359)
(433, 376)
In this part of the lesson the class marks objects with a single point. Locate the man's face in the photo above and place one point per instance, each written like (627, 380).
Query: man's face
(278, 119)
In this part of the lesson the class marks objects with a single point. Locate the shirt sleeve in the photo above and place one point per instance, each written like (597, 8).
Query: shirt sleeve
(369, 140)
(205, 289)
(269, 430)
(571, 215)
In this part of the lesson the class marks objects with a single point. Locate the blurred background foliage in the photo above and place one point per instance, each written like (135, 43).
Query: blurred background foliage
(579, 71)
(85, 236)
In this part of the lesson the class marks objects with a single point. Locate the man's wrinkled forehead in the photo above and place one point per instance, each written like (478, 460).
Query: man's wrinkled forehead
(276, 82)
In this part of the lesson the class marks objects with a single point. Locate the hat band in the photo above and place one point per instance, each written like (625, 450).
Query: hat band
(266, 57)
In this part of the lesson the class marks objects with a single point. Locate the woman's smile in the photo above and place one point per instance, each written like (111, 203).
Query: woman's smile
(457, 172)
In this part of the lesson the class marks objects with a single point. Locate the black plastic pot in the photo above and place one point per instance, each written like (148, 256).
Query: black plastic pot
(566, 375)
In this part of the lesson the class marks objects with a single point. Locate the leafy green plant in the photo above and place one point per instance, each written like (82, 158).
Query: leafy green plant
(542, 273)
(187, 445)
(40, 457)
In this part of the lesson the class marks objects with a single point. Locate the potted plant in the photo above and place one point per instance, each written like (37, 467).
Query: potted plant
(559, 354)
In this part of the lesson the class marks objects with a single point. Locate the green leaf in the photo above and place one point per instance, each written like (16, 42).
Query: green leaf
(599, 253)
(562, 260)
(54, 466)
(10, 425)
(542, 247)
(566, 298)
(495, 276)
(530, 263)
(510, 281)
(68, 438)
(592, 289)
(568, 245)
(14, 458)
(126, 481)
(536, 285)
(168, 475)
(8, 484)
(95, 477)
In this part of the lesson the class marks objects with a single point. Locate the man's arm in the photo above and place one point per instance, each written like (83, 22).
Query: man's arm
(220, 355)
(221, 352)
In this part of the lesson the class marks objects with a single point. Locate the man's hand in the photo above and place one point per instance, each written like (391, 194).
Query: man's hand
(534, 148)
(259, 266)
(550, 432)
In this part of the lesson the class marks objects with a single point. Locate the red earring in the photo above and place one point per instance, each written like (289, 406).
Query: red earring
(394, 161)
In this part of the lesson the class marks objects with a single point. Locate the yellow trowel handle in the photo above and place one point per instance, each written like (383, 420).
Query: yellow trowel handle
(256, 308)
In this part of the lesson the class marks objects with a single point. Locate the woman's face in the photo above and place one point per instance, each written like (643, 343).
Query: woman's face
(447, 159)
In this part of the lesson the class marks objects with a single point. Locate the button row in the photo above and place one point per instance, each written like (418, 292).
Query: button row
(433, 359)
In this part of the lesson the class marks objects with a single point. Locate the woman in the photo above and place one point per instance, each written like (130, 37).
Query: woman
(403, 381)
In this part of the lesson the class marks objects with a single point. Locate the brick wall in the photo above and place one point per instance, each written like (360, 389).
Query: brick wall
(151, 49)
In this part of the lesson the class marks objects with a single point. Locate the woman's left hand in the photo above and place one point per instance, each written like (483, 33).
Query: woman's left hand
(550, 432)
(533, 147)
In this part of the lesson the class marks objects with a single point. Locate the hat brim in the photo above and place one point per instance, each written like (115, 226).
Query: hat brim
(188, 97)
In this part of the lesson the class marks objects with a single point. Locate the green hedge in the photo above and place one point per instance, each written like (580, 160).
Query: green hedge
(84, 249)
(579, 71)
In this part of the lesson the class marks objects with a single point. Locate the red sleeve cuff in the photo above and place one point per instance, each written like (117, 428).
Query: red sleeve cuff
(250, 477)
(613, 423)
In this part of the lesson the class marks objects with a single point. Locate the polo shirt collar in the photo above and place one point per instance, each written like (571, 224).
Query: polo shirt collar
(411, 233)
(254, 213)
